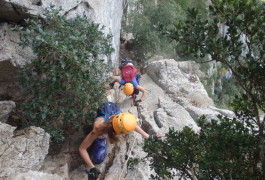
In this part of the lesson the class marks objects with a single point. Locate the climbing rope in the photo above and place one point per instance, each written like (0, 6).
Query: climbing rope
(130, 152)
(117, 91)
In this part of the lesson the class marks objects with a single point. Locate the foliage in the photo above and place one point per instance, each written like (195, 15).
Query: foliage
(229, 89)
(226, 149)
(230, 37)
(132, 162)
(223, 149)
(221, 87)
(233, 35)
(65, 81)
(199, 4)
(144, 21)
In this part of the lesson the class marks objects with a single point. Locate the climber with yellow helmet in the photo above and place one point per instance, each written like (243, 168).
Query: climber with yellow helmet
(130, 80)
(110, 122)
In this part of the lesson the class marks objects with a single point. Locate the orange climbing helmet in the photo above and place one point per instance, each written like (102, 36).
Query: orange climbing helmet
(124, 123)
(128, 89)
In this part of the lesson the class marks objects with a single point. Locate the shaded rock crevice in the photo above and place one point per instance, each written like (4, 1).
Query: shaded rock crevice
(83, 5)
(13, 12)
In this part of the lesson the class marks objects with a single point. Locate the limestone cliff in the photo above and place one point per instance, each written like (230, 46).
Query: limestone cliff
(107, 13)
(176, 98)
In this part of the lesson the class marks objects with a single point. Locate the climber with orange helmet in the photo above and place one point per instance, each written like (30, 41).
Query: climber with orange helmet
(130, 80)
(110, 122)
(130, 87)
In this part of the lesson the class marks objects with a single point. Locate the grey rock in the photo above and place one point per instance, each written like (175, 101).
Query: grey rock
(175, 99)
(12, 58)
(224, 112)
(107, 13)
(10, 50)
(197, 112)
(34, 175)
(22, 150)
(6, 107)
(180, 82)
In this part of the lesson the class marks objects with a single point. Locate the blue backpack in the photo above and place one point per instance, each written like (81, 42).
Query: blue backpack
(98, 150)
(108, 109)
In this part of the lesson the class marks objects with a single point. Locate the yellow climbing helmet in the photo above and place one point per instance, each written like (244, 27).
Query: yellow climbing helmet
(128, 89)
(124, 123)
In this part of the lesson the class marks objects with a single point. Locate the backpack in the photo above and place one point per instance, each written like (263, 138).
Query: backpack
(98, 150)
(128, 73)
(108, 109)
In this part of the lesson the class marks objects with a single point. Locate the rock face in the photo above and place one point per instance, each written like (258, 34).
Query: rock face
(12, 56)
(10, 49)
(33, 175)
(170, 103)
(179, 80)
(22, 150)
(107, 13)
(6, 107)
(171, 87)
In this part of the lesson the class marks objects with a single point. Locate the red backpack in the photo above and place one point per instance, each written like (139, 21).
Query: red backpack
(128, 73)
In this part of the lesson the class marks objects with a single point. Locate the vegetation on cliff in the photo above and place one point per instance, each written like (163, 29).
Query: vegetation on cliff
(65, 82)
(233, 35)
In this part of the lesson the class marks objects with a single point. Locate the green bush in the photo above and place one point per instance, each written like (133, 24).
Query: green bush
(232, 34)
(223, 149)
(200, 4)
(65, 81)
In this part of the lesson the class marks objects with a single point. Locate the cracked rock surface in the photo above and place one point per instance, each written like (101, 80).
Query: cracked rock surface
(23, 153)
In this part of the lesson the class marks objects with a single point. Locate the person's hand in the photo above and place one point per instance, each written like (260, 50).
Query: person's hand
(111, 85)
(137, 102)
(154, 137)
(93, 174)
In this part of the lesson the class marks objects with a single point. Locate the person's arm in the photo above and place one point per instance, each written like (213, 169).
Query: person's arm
(142, 132)
(147, 136)
(87, 143)
(83, 149)
(113, 82)
(140, 88)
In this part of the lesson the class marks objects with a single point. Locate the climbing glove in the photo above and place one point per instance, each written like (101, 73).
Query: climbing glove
(111, 85)
(153, 137)
(93, 174)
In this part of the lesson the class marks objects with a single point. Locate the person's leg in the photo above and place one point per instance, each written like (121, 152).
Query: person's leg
(133, 96)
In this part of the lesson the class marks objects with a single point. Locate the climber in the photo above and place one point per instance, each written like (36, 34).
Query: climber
(110, 122)
(130, 79)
